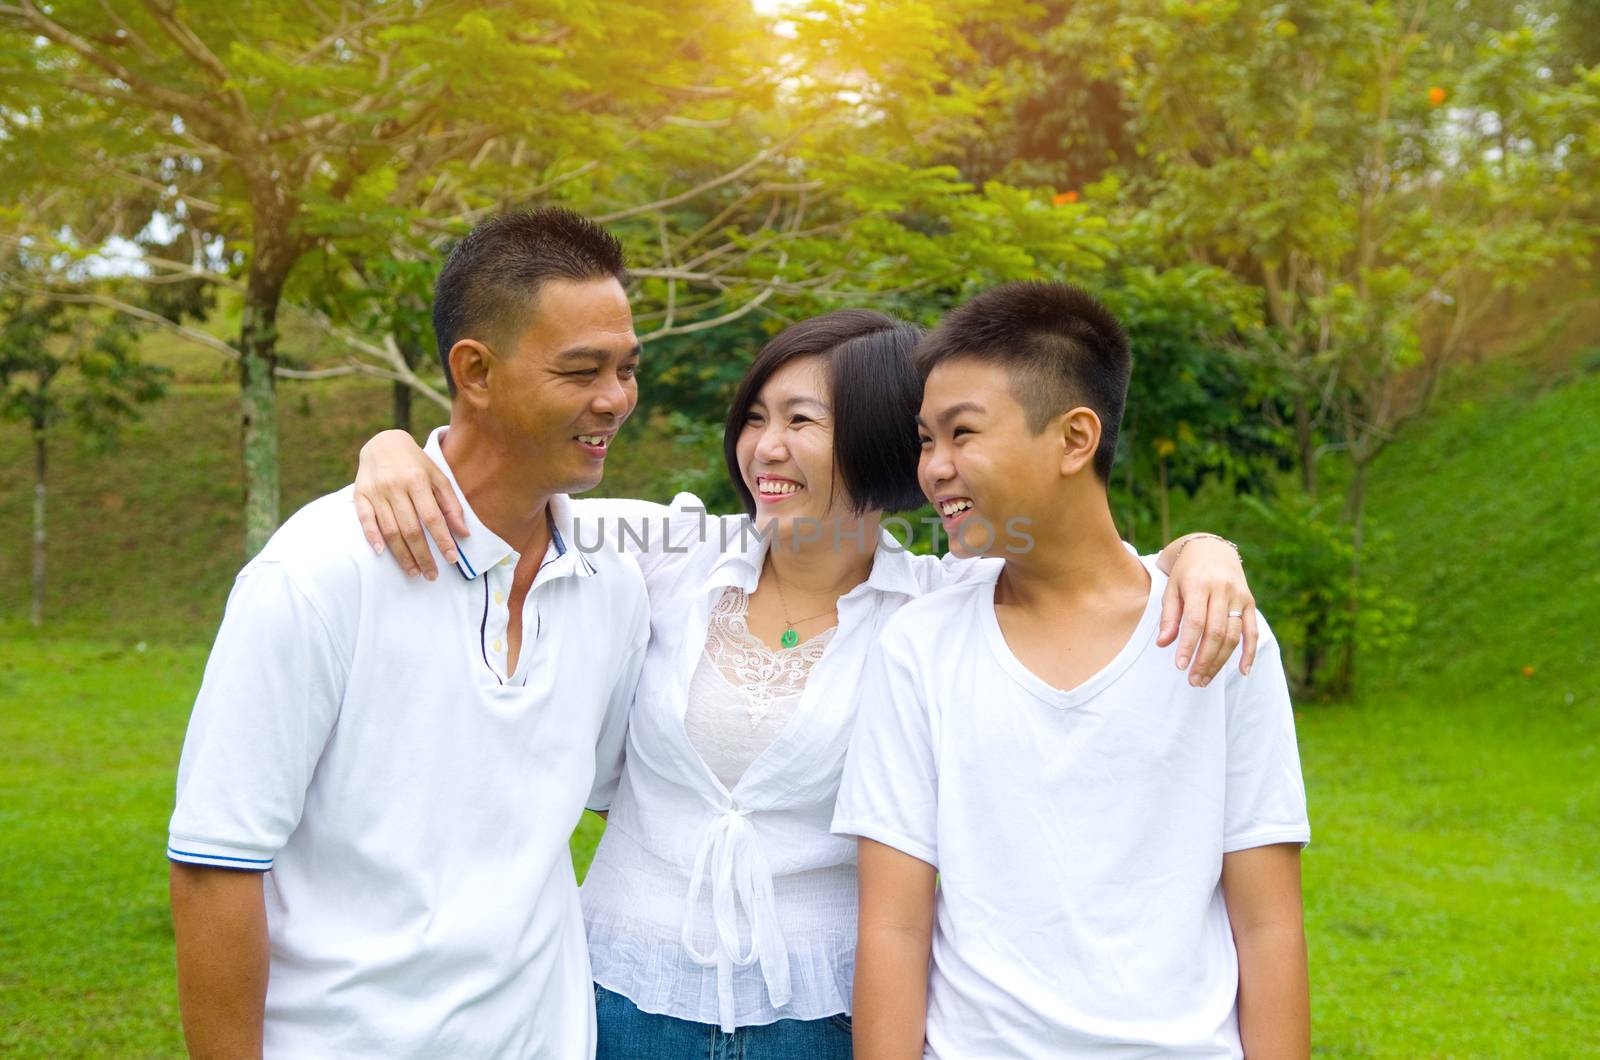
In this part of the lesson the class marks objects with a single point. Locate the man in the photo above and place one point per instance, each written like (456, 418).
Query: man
(369, 851)
(1117, 848)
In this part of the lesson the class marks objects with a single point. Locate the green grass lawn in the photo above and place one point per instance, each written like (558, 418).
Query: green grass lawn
(1452, 888)
(1453, 885)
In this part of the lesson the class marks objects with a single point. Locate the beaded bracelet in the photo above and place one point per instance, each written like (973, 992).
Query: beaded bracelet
(1214, 537)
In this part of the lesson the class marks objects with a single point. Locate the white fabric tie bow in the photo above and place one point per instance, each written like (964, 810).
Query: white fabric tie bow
(740, 880)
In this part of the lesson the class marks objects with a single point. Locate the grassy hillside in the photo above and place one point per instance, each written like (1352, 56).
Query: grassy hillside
(1455, 865)
(1493, 515)
(145, 539)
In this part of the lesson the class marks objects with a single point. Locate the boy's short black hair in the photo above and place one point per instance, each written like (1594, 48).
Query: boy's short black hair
(874, 393)
(1062, 348)
(492, 277)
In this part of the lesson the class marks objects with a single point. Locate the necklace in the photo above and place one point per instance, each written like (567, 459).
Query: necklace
(790, 636)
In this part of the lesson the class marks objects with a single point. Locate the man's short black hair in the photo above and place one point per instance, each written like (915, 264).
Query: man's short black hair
(874, 393)
(1062, 349)
(492, 277)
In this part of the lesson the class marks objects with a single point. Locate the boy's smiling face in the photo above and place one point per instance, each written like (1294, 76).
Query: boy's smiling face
(980, 465)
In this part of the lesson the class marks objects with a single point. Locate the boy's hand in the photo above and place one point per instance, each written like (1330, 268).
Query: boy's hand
(398, 492)
(1209, 599)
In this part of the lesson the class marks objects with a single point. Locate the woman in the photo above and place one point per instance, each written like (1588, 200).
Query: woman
(718, 902)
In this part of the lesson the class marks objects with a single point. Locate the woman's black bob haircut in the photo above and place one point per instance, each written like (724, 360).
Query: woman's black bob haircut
(874, 392)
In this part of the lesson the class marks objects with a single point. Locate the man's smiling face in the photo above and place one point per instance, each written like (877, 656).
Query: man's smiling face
(564, 387)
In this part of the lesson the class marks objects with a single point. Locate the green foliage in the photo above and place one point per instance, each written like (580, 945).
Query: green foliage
(705, 472)
(1383, 180)
(1202, 405)
(60, 362)
(1381, 184)
(1304, 211)
(1055, 116)
(1305, 579)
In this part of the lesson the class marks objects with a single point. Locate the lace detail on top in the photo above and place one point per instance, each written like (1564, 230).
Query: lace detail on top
(761, 674)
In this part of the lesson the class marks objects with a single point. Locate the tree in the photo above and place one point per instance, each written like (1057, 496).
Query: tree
(281, 130)
(227, 147)
(1203, 405)
(1053, 120)
(64, 363)
(750, 162)
(1383, 186)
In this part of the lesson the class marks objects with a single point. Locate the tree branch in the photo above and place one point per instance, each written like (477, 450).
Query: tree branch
(137, 312)
(139, 42)
(149, 184)
(194, 109)
(694, 192)
(714, 322)
(397, 370)
(192, 46)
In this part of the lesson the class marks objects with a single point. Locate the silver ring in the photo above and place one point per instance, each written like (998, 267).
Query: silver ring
(1235, 614)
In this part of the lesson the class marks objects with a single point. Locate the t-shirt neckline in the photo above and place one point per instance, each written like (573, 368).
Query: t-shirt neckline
(1143, 635)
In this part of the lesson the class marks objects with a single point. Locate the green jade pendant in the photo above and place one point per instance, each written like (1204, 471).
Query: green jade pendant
(790, 638)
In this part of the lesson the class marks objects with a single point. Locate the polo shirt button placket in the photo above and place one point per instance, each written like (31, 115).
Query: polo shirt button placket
(499, 577)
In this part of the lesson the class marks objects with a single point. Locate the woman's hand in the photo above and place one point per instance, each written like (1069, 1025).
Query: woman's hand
(1205, 587)
(398, 492)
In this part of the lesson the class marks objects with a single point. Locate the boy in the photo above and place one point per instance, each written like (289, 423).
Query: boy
(1116, 851)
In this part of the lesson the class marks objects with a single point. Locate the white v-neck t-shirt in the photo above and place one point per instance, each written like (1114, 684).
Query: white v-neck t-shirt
(361, 738)
(1078, 834)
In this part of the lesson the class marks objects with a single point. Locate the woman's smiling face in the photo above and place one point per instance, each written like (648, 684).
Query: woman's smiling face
(785, 451)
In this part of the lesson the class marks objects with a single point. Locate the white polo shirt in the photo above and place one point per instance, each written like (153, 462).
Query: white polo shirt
(409, 796)
(1079, 834)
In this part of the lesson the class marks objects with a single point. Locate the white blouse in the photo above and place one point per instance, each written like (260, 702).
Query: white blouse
(717, 903)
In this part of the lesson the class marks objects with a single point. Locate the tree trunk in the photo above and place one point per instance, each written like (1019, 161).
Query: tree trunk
(402, 407)
(411, 351)
(1315, 651)
(275, 251)
(1355, 510)
(1306, 439)
(40, 442)
(1166, 515)
(258, 398)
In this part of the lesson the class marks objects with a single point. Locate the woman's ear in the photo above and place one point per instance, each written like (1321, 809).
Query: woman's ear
(470, 361)
(1080, 438)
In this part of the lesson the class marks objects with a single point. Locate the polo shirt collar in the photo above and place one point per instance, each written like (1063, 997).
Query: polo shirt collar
(569, 560)
(484, 548)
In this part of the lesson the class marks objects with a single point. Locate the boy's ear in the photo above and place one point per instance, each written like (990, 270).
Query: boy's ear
(469, 367)
(1080, 436)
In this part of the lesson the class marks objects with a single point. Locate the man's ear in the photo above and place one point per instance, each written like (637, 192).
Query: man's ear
(470, 362)
(1079, 430)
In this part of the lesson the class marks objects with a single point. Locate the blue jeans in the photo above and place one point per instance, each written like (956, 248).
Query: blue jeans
(627, 1033)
